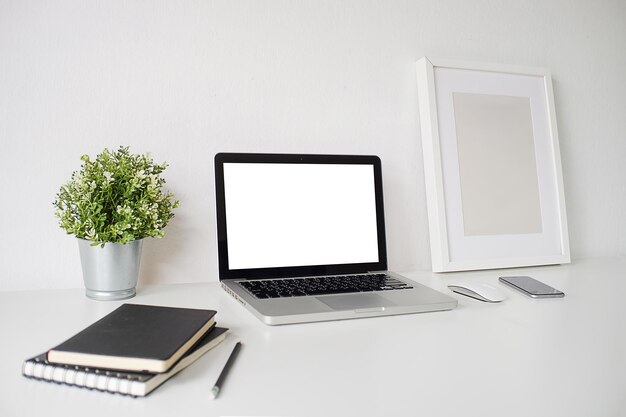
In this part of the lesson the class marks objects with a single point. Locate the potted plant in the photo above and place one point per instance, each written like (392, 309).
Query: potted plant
(111, 204)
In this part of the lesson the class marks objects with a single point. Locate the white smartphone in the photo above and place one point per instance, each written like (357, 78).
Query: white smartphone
(531, 287)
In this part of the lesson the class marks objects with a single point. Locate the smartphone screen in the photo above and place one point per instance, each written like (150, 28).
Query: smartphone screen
(531, 286)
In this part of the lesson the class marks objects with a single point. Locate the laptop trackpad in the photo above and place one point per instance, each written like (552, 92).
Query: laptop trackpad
(355, 301)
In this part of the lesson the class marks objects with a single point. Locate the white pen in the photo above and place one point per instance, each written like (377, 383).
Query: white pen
(229, 363)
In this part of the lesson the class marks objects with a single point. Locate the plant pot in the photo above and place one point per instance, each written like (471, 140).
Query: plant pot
(110, 272)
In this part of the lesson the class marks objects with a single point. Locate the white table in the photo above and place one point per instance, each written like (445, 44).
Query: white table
(523, 357)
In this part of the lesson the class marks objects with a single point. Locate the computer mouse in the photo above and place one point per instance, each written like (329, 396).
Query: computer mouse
(479, 290)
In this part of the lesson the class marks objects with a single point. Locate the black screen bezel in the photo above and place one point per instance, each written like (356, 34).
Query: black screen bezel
(300, 271)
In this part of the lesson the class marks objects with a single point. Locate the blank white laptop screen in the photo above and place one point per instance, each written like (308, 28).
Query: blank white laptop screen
(283, 215)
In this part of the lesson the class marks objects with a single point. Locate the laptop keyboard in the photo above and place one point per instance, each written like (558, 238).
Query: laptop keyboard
(299, 287)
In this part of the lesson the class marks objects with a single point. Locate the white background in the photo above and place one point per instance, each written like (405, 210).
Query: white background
(188, 79)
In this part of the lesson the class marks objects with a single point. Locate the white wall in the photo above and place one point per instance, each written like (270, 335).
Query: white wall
(187, 79)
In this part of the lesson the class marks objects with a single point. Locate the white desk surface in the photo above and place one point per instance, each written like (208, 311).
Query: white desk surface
(523, 357)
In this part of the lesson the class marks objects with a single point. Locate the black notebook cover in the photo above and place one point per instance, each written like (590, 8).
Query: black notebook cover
(136, 337)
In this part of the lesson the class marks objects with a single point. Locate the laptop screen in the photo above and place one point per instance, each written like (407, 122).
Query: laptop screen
(298, 215)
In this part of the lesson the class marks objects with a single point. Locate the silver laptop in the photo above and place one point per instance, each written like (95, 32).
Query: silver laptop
(301, 238)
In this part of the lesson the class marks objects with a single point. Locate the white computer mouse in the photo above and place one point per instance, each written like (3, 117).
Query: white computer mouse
(479, 290)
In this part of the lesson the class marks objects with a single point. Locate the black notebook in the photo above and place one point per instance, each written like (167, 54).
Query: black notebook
(123, 382)
(136, 338)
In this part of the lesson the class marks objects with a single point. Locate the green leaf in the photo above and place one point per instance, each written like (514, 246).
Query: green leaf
(116, 197)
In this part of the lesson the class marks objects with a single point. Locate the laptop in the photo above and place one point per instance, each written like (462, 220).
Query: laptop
(301, 238)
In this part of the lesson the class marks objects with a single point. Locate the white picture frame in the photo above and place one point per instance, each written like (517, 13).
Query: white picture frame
(492, 166)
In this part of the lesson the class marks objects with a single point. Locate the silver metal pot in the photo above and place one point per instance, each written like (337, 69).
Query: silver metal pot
(110, 272)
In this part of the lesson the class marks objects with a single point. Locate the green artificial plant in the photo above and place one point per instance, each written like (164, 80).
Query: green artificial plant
(117, 197)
